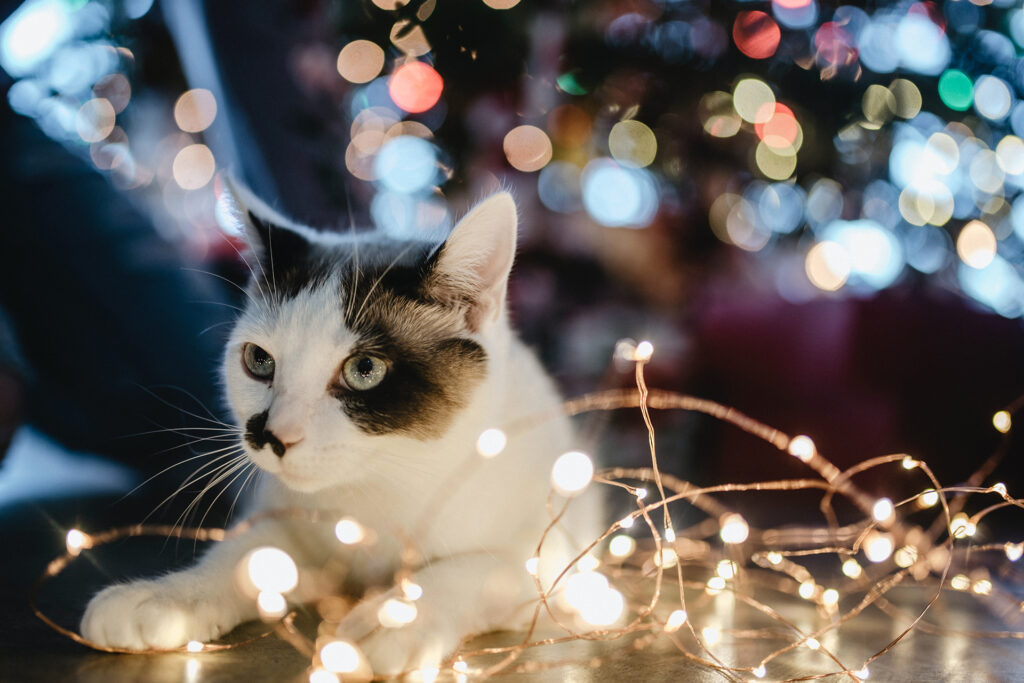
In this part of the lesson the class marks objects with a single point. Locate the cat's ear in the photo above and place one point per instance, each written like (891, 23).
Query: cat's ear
(271, 237)
(475, 260)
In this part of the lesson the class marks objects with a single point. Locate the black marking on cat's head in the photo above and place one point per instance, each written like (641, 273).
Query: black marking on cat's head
(288, 262)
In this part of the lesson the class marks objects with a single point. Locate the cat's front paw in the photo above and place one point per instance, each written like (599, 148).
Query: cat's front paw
(150, 614)
(422, 643)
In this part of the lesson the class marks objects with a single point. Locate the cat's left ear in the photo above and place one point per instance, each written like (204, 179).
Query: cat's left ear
(475, 260)
(271, 237)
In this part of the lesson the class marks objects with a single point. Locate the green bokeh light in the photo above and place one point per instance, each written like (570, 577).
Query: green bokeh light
(956, 89)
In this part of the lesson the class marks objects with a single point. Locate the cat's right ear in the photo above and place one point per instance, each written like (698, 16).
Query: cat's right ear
(271, 237)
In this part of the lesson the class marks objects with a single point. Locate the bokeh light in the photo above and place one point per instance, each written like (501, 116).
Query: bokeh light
(976, 244)
(415, 87)
(750, 97)
(632, 143)
(193, 167)
(756, 34)
(572, 473)
(406, 164)
(360, 61)
(527, 148)
(618, 196)
(195, 110)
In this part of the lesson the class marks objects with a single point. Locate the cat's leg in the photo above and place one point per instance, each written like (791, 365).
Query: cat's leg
(462, 595)
(199, 603)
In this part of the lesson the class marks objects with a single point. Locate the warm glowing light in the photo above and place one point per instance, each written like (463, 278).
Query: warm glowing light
(806, 590)
(976, 244)
(75, 541)
(583, 586)
(802, 447)
(999, 488)
(726, 569)
(621, 546)
(812, 643)
(667, 558)
(412, 590)
(527, 148)
(905, 556)
(982, 587)
(339, 656)
(360, 61)
(862, 674)
(193, 167)
(415, 87)
(1013, 551)
(605, 609)
(627, 522)
(272, 570)
(830, 596)
(641, 493)
(1002, 421)
(759, 671)
(461, 666)
(756, 34)
(632, 143)
(883, 510)
(775, 557)
(271, 604)
(531, 566)
(960, 582)
(572, 473)
(396, 612)
(349, 531)
(670, 536)
(194, 646)
(715, 585)
(675, 620)
(718, 115)
(322, 676)
(711, 634)
(958, 526)
(644, 351)
(734, 528)
(588, 563)
(491, 442)
(95, 120)
(928, 498)
(195, 110)
(501, 4)
(878, 546)
(909, 463)
(749, 97)
(827, 266)
(852, 568)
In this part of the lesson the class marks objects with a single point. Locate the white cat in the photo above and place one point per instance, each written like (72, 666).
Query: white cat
(363, 370)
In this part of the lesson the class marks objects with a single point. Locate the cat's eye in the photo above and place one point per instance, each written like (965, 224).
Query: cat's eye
(362, 372)
(258, 362)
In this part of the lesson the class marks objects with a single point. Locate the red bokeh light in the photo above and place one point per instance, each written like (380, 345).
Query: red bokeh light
(792, 4)
(756, 34)
(781, 130)
(415, 87)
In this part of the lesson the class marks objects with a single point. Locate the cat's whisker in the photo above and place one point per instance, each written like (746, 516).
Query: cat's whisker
(212, 419)
(222, 473)
(252, 273)
(179, 464)
(227, 280)
(253, 473)
(205, 470)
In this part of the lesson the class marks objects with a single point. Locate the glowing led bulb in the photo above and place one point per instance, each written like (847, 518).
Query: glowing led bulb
(604, 609)
(339, 656)
(428, 674)
(830, 596)
(75, 541)
(644, 351)
(627, 522)
(584, 587)
(621, 546)
(588, 563)
(322, 676)
(852, 568)
(411, 590)
(982, 587)
(905, 556)
(670, 536)
(862, 674)
(531, 566)
(960, 526)
(960, 582)
(461, 666)
(349, 531)
(928, 498)
(675, 620)
(726, 569)
(775, 557)
(1013, 551)
(806, 590)
(271, 604)
(760, 671)
(491, 442)
(715, 585)
(395, 613)
(999, 488)
(272, 570)
(812, 643)
(1002, 421)
(194, 646)
(667, 558)
(711, 634)
(909, 463)
(734, 528)
(572, 473)
(641, 493)
(883, 510)
(802, 447)
(878, 547)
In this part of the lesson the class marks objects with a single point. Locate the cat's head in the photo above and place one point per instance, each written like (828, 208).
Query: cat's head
(353, 350)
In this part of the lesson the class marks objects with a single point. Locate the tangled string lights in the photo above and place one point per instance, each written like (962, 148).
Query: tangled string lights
(635, 591)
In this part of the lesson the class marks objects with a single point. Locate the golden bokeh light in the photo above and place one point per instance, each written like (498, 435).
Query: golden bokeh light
(195, 110)
(749, 98)
(878, 104)
(718, 116)
(632, 143)
(360, 61)
(527, 148)
(907, 97)
(501, 4)
(772, 163)
(569, 125)
(411, 41)
(827, 266)
(976, 244)
(193, 167)
(95, 120)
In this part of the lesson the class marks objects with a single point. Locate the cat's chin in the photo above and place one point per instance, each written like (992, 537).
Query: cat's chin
(301, 484)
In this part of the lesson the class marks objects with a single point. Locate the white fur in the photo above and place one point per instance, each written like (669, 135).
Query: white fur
(475, 521)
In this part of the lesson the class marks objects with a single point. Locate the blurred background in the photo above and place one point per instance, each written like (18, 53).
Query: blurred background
(813, 210)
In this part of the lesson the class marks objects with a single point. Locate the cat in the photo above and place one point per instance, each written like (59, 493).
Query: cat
(362, 371)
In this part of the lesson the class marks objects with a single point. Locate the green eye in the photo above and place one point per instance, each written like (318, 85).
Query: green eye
(363, 372)
(258, 362)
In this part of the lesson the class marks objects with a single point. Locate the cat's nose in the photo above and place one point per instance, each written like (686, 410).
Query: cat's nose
(277, 445)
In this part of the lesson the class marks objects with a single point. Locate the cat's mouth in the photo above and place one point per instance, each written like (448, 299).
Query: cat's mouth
(299, 482)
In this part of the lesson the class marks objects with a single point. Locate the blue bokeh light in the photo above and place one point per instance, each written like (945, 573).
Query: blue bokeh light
(616, 196)
(407, 165)
(876, 257)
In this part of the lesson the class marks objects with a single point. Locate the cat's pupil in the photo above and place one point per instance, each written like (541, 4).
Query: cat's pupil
(365, 366)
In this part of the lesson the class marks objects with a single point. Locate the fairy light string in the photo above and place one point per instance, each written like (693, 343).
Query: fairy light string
(748, 565)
